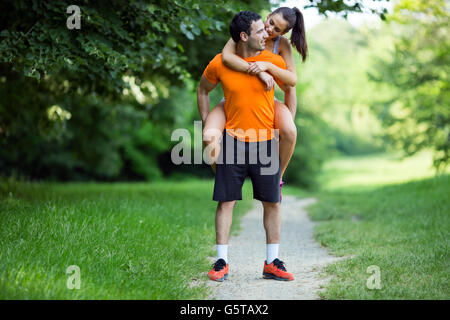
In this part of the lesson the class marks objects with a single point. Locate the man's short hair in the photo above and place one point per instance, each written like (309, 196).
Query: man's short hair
(242, 21)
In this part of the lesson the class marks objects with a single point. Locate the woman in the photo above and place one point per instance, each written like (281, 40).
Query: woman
(279, 22)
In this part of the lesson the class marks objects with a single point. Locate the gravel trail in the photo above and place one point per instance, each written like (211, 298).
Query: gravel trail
(304, 257)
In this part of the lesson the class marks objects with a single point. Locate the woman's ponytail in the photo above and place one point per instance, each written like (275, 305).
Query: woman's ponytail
(295, 22)
(298, 38)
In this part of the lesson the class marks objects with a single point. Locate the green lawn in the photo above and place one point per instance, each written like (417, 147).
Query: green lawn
(148, 241)
(130, 240)
(386, 213)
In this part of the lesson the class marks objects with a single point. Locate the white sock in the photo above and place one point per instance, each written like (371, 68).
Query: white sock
(272, 251)
(222, 252)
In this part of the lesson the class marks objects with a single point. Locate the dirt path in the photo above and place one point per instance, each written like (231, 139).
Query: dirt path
(303, 257)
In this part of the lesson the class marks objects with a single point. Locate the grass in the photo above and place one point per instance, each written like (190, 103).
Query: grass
(386, 213)
(130, 240)
(148, 241)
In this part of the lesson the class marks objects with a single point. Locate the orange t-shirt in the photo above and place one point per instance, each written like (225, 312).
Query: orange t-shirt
(249, 107)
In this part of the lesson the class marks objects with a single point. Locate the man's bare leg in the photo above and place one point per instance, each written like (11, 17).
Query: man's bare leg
(224, 219)
(272, 221)
(273, 267)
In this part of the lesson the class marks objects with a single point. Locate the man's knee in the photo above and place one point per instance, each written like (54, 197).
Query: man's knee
(270, 205)
(227, 205)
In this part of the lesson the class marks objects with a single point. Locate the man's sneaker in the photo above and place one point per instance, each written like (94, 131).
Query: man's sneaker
(219, 271)
(276, 270)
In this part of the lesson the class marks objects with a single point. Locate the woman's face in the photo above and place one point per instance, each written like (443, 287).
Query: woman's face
(275, 25)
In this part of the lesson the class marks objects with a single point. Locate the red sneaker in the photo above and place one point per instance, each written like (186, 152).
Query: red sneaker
(276, 270)
(219, 271)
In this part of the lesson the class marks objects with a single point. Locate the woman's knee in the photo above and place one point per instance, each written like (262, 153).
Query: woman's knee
(288, 133)
(215, 124)
(211, 135)
(285, 123)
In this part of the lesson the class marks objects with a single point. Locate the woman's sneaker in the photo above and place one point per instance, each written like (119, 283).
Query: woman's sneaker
(219, 271)
(281, 186)
(276, 270)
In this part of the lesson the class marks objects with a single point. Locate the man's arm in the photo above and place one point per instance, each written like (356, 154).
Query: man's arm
(203, 90)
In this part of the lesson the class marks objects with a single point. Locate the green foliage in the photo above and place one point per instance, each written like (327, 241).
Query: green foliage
(101, 102)
(116, 37)
(335, 96)
(312, 149)
(335, 87)
(345, 7)
(416, 114)
(95, 101)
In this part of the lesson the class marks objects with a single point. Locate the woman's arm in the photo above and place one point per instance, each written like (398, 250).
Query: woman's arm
(286, 76)
(231, 59)
(289, 75)
(290, 94)
(288, 56)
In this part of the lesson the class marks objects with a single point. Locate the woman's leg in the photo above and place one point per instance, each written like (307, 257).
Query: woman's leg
(288, 133)
(212, 133)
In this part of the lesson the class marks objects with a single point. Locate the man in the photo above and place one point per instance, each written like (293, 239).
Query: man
(250, 113)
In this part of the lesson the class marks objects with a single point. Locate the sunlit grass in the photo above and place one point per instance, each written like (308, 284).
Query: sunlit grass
(375, 170)
(388, 213)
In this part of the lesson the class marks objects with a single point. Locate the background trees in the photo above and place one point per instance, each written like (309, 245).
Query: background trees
(416, 114)
(88, 103)
(101, 102)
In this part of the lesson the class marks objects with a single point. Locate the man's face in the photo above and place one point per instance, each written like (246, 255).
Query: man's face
(257, 37)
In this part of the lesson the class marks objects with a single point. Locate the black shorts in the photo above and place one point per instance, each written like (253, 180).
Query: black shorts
(237, 160)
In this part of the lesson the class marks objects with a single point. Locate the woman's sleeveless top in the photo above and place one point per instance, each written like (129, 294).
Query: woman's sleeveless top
(276, 44)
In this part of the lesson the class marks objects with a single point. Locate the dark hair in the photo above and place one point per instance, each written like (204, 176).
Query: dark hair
(242, 21)
(295, 22)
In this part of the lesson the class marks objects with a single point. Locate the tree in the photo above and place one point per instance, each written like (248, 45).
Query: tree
(89, 98)
(417, 116)
(345, 7)
(127, 54)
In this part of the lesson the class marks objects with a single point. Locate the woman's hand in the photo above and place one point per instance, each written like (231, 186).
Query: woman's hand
(267, 79)
(257, 67)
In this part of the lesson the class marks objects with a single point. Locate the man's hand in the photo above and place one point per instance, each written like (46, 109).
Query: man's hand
(257, 67)
(267, 79)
